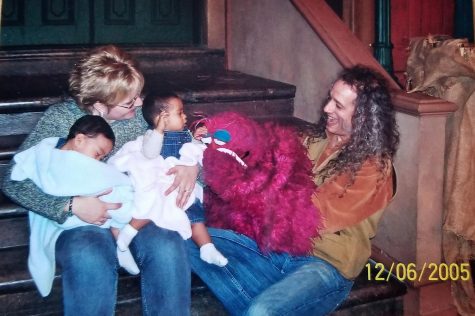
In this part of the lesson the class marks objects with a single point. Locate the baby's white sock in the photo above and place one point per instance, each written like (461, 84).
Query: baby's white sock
(126, 235)
(126, 261)
(210, 254)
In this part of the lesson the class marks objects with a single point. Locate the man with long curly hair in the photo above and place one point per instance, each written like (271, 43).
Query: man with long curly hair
(352, 149)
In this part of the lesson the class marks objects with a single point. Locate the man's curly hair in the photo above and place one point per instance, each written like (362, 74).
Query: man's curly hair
(374, 133)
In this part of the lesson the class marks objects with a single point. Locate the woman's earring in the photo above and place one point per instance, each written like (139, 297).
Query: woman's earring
(101, 113)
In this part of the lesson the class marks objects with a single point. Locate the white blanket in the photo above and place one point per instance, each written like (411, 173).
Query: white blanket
(66, 173)
(150, 182)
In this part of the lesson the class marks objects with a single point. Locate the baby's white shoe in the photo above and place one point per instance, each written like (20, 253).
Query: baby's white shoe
(210, 254)
(126, 261)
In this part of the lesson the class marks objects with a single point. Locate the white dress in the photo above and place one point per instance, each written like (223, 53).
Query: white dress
(150, 182)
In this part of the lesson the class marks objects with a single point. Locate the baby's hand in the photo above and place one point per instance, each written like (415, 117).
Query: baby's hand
(161, 122)
(200, 132)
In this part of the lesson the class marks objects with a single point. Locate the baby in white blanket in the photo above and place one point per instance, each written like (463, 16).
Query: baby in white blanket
(73, 167)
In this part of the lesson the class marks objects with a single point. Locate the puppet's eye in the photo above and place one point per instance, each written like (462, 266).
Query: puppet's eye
(219, 142)
(222, 135)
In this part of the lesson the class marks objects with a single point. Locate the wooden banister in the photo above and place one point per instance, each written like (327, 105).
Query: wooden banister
(419, 104)
(344, 45)
(350, 51)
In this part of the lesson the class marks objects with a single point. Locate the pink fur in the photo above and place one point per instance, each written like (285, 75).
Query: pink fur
(270, 200)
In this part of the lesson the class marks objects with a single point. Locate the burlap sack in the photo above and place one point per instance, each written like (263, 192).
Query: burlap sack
(419, 48)
(445, 68)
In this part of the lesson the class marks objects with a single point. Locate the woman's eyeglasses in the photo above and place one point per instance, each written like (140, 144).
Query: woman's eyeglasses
(130, 104)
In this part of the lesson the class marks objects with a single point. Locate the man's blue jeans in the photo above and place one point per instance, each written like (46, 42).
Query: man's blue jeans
(87, 256)
(257, 284)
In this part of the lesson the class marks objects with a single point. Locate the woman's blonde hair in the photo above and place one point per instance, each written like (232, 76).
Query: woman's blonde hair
(106, 75)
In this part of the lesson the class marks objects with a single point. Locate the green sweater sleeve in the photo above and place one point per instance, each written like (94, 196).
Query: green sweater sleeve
(28, 195)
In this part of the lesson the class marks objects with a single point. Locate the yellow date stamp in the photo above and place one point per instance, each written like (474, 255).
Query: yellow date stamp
(429, 271)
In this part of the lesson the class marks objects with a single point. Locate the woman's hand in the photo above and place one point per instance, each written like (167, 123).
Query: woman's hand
(185, 180)
(92, 210)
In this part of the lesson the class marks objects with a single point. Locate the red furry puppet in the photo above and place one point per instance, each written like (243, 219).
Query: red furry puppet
(259, 183)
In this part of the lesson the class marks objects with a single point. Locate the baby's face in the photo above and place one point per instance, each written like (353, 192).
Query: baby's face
(95, 147)
(176, 117)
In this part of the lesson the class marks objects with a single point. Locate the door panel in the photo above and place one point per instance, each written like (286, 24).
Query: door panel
(63, 22)
(34, 22)
(153, 21)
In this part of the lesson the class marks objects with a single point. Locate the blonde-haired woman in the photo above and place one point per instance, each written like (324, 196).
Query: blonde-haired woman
(106, 82)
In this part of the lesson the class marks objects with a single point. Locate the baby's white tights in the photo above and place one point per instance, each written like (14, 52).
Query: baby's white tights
(126, 234)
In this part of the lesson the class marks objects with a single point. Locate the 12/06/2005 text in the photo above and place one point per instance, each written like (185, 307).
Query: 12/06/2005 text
(429, 272)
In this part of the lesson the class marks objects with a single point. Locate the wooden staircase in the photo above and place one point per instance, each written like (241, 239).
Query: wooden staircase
(30, 81)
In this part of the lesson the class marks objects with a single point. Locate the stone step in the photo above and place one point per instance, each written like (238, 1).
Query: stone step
(18, 294)
(14, 232)
(34, 93)
(50, 61)
(23, 100)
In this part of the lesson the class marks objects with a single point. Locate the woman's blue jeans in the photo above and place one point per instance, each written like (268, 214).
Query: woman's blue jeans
(257, 284)
(87, 256)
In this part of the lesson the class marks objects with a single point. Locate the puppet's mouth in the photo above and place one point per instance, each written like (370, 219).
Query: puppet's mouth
(232, 154)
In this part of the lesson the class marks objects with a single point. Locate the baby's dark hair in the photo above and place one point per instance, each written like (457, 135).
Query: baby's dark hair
(154, 104)
(91, 126)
